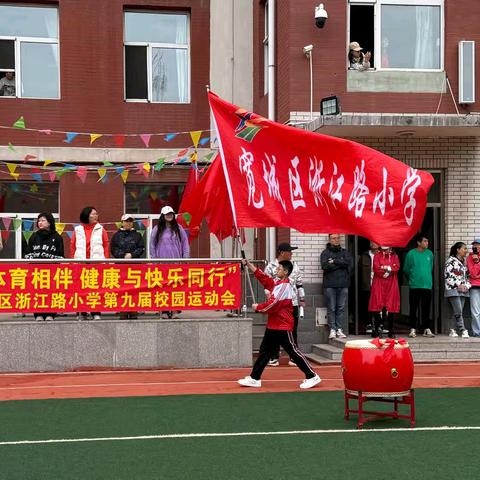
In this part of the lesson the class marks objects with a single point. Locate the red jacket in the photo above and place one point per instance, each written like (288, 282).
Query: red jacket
(279, 306)
(385, 291)
(473, 270)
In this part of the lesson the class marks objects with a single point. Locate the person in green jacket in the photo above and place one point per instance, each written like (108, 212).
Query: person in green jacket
(418, 269)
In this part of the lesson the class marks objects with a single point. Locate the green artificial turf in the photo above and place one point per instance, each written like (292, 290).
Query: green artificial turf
(389, 455)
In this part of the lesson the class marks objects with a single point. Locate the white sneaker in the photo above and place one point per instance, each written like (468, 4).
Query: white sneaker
(48, 318)
(333, 334)
(465, 334)
(453, 333)
(310, 382)
(413, 333)
(340, 333)
(292, 364)
(428, 333)
(97, 317)
(250, 382)
(273, 363)
(38, 318)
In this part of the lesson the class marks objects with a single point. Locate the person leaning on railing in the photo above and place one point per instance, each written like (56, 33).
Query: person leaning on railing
(45, 243)
(127, 243)
(169, 240)
(89, 240)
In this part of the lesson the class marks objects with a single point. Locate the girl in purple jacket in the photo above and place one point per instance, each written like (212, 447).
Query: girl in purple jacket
(168, 240)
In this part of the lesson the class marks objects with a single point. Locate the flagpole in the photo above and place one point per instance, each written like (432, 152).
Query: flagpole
(230, 195)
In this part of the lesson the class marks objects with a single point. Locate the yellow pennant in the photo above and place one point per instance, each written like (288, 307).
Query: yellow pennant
(194, 157)
(11, 167)
(46, 163)
(147, 166)
(60, 227)
(196, 137)
(124, 176)
(118, 224)
(94, 136)
(153, 195)
(102, 172)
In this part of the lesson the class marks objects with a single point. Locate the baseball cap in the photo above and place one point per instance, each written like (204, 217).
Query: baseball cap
(285, 247)
(355, 46)
(167, 209)
(477, 240)
(127, 216)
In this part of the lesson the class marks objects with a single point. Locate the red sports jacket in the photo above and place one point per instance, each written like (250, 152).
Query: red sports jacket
(279, 306)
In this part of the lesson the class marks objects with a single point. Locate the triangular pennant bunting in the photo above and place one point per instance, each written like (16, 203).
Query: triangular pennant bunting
(70, 137)
(17, 223)
(6, 222)
(27, 235)
(11, 147)
(82, 173)
(170, 136)
(27, 224)
(60, 227)
(159, 165)
(70, 233)
(118, 224)
(119, 140)
(101, 173)
(204, 140)
(124, 176)
(146, 139)
(20, 123)
(196, 137)
(46, 163)
(95, 136)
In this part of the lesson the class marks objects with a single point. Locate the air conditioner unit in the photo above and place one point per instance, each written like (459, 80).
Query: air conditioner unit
(466, 71)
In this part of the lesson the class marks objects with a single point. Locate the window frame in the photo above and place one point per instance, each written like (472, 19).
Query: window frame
(18, 40)
(377, 4)
(150, 46)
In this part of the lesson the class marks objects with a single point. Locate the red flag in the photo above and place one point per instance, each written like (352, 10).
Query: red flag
(280, 176)
(209, 200)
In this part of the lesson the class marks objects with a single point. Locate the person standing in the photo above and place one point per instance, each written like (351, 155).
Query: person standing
(385, 296)
(168, 240)
(457, 287)
(89, 240)
(473, 265)
(366, 276)
(45, 243)
(284, 252)
(279, 326)
(418, 269)
(337, 265)
(127, 243)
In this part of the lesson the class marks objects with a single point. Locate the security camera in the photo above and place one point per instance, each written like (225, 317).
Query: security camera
(307, 50)
(321, 16)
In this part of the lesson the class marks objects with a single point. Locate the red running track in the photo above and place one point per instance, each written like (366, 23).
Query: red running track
(128, 383)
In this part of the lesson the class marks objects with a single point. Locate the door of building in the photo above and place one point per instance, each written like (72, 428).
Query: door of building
(433, 228)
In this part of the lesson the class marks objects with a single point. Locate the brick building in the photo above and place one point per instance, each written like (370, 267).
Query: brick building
(416, 103)
(140, 67)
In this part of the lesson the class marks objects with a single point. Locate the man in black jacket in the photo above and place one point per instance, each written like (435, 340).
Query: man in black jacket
(337, 265)
(127, 243)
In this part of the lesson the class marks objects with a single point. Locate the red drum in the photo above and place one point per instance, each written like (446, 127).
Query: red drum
(377, 367)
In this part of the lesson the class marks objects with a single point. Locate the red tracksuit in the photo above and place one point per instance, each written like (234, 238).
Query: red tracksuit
(279, 309)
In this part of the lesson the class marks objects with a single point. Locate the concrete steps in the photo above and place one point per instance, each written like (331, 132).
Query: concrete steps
(438, 349)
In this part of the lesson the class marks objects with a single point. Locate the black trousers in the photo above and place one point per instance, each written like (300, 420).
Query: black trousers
(379, 318)
(420, 298)
(296, 313)
(272, 340)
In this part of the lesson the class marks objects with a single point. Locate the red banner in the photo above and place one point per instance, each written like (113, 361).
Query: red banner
(287, 177)
(118, 287)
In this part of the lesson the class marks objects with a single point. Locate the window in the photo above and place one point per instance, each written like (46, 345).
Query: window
(23, 201)
(29, 60)
(157, 57)
(265, 50)
(401, 34)
(145, 200)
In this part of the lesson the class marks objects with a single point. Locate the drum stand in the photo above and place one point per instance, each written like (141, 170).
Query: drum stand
(406, 398)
